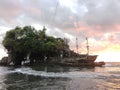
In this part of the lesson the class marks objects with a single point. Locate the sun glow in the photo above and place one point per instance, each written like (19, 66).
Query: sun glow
(109, 56)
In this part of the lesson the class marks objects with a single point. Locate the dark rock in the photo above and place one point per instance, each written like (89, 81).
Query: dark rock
(4, 61)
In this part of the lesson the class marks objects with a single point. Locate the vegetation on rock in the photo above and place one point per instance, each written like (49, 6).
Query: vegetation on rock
(27, 42)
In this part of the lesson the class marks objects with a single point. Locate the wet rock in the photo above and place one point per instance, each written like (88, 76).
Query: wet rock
(4, 61)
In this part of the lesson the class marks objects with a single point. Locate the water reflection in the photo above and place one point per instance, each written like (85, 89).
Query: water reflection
(3, 72)
(15, 80)
(62, 69)
(28, 82)
(108, 84)
(2, 85)
(59, 78)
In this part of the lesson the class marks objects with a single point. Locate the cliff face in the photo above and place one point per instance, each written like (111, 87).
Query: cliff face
(58, 58)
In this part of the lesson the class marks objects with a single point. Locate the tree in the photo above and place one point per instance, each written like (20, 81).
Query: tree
(23, 41)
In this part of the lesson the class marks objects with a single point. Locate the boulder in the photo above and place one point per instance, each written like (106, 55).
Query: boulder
(4, 61)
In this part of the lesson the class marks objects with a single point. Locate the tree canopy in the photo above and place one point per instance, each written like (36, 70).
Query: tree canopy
(27, 41)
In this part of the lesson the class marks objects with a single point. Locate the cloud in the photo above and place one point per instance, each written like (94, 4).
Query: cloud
(98, 20)
(9, 9)
(102, 13)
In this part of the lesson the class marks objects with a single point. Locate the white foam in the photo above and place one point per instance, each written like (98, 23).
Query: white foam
(30, 71)
(70, 74)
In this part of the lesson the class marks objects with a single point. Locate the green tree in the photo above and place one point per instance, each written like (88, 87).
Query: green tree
(21, 42)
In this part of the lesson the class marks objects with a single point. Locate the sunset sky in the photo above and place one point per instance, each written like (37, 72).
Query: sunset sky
(99, 20)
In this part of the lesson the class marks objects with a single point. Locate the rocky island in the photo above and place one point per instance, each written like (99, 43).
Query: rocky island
(30, 46)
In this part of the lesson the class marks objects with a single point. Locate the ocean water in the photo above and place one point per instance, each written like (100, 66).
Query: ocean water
(60, 78)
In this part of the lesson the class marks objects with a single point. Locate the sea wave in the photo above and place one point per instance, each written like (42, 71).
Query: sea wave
(74, 74)
(112, 64)
(5, 70)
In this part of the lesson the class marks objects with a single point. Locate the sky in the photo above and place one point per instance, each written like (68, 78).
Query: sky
(99, 20)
